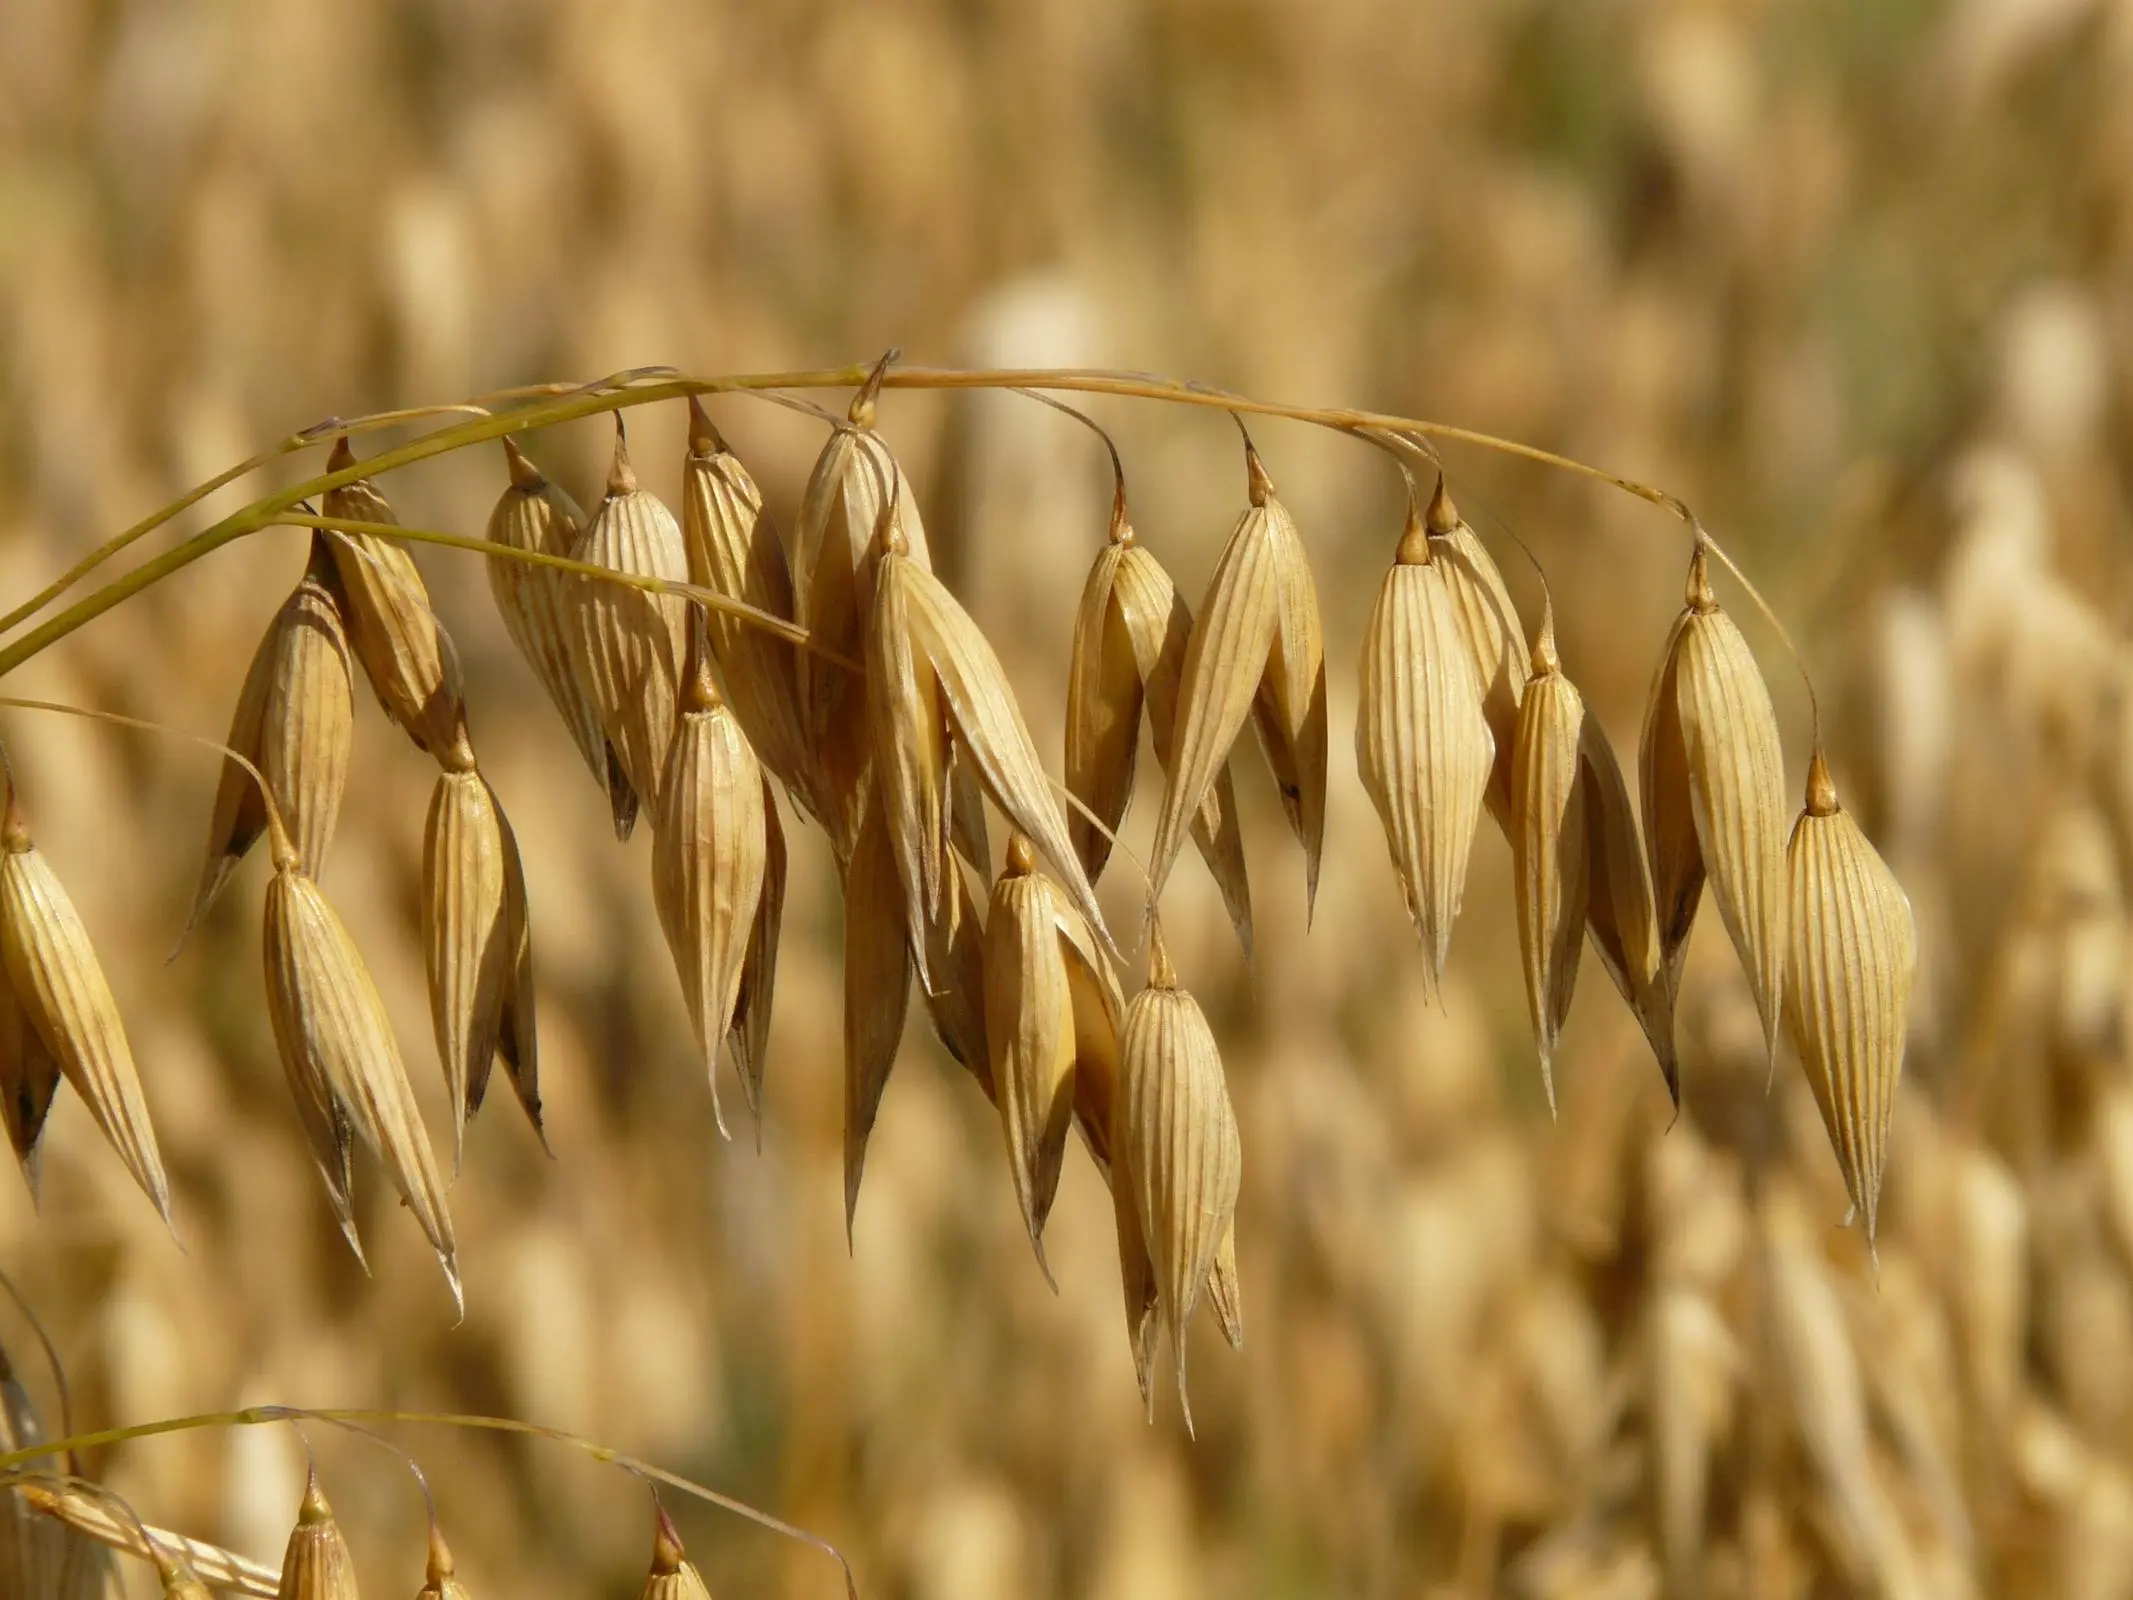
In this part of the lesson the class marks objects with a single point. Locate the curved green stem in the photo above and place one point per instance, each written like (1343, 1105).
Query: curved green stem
(259, 1416)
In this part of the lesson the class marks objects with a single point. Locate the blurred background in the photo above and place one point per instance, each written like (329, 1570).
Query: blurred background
(1854, 280)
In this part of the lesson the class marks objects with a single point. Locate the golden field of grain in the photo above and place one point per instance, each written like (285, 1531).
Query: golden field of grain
(1855, 282)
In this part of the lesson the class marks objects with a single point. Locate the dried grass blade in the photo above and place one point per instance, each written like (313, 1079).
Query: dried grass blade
(404, 649)
(538, 603)
(1853, 961)
(61, 988)
(331, 1026)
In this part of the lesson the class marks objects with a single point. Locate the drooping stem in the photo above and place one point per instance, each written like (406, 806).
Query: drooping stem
(544, 405)
(260, 1416)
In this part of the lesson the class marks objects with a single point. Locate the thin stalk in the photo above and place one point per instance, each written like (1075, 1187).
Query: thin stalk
(645, 386)
(260, 1416)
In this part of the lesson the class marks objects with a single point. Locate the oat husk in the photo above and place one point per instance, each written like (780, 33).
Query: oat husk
(1489, 624)
(295, 721)
(1032, 938)
(404, 650)
(708, 860)
(1256, 651)
(60, 986)
(29, 1082)
(440, 1577)
(1422, 742)
(517, 1032)
(334, 1036)
(855, 488)
(877, 989)
(538, 605)
(1853, 960)
(1713, 775)
(1620, 917)
(471, 934)
(749, 1039)
(734, 550)
(1177, 1135)
(957, 1007)
(673, 1576)
(1131, 634)
(316, 1564)
(1549, 844)
(629, 646)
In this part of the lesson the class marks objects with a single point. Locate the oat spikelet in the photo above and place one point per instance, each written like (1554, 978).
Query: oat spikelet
(1422, 743)
(1488, 622)
(1854, 957)
(441, 1574)
(1714, 795)
(984, 720)
(1136, 1271)
(1179, 1140)
(1549, 842)
(673, 1575)
(1257, 651)
(404, 649)
(316, 1565)
(1131, 635)
(1224, 1292)
(61, 988)
(1034, 1027)
(734, 549)
(1619, 912)
(469, 949)
(517, 1035)
(629, 645)
(750, 1036)
(708, 856)
(956, 937)
(855, 485)
(295, 721)
(332, 1031)
(537, 603)
(877, 988)
(29, 1081)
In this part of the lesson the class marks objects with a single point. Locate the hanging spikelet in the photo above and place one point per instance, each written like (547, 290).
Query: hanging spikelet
(336, 1042)
(538, 605)
(1549, 843)
(29, 1081)
(295, 721)
(629, 645)
(1130, 639)
(517, 1035)
(1619, 913)
(750, 1036)
(1257, 651)
(942, 644)
(734, 549)
(1177, 1135)
(1854, 957)
(1488, 623)
(708, 853)
(1422, 743)
(61, 988)
(316, 1564)
(855, 485)
(404, 649)
(1032, 938)
(470, 937)
(1714, 795)
(673, 1575)
(877, 988)
(956, 938)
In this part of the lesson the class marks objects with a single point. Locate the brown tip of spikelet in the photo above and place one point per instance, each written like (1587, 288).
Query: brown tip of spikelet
(1443, 517)
(1546, 662)
(667, 1551)
(1121, 531)
(1021, 858)
(1696, 592)
(704, 437)
(343, 455)
(621, 476)
(1414, 538)
(14, 827)
(1821, 788)
(440, 1561)
(1258, 484)
(524, 474)
(1161, 974)
(314, 1509)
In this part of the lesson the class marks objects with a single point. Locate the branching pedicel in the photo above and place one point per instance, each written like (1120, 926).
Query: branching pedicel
(703, 663)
